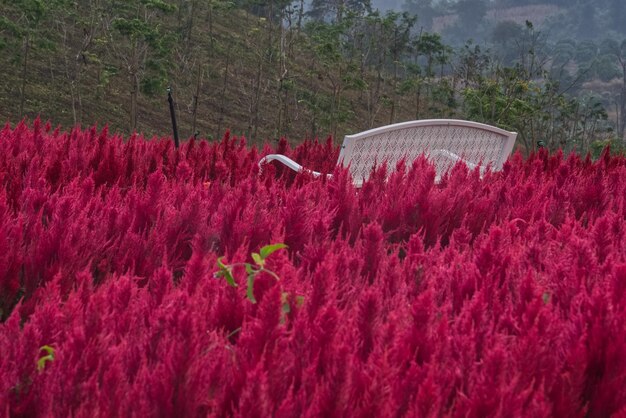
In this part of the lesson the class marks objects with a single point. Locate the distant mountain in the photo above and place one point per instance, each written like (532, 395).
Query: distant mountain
(537, 14)
(385, 5)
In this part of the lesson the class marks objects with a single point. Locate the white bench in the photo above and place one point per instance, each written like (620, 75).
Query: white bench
(443, 141)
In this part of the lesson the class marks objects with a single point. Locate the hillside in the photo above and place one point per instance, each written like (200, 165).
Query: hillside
(238, 71)
(264, 70)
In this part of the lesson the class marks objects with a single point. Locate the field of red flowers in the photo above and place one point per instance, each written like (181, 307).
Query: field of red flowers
(502, 296)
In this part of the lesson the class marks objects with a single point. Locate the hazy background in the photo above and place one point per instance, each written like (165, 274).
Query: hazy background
(459, 20)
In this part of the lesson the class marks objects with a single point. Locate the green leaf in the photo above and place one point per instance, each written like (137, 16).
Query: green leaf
(299, 301)
(286, 308)
(249, 269)
(47, 349)
(269, 249)
(545, 297)
(250, 290)
(41, 363)
(226, 272)
(228, 275)
(258, 259)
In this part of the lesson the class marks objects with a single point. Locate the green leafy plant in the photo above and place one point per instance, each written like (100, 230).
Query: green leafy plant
(252, 270)
(41, 363)
(286, 306)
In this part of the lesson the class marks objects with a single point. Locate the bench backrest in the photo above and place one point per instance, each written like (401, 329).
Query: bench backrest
(439, 139)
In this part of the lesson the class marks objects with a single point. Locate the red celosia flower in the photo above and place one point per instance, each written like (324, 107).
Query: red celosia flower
(503, 296)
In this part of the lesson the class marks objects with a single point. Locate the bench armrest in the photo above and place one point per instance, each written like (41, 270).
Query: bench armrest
(289, 163)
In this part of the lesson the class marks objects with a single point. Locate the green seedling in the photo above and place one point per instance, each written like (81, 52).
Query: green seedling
(41, 363)
(252, 270)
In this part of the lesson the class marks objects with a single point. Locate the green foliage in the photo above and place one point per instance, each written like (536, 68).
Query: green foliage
(350, 70)
(336, 11)
(606, 68)
(537, 111)
(48, 357)
(33, 11)
(225, 271)
(11, 27)
(159, 5)
(269, 249)
(26, 19)
(155, 77)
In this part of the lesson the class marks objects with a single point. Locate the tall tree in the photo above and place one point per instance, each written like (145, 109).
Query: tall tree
(617, 50)
(27, 22)
(505, 36)
(79, 25)
(423, 9)
(401, 25)
(136, 39)
(335, 10)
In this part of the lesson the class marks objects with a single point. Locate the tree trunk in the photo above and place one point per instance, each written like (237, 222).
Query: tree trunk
(270, 31)
(133, 75)
(190, 22)
(257, 99)
(339, 12)
(196, 96)
(69, 75)
(622, 113)
(334, 110)
(24, 74)
(394, 87)
(282, 68)
(300, 16)
(418, 98)
(134, 92)
(73, 94)
(313, 106)
(179, 18)
(220, 120)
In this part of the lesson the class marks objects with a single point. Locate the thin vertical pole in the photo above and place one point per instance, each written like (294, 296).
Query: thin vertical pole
(173, 115)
